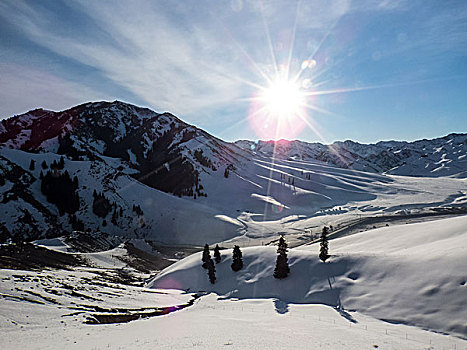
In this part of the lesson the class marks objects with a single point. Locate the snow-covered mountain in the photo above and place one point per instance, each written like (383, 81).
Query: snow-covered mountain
(445, 156)
(120, 151)
(132, 172)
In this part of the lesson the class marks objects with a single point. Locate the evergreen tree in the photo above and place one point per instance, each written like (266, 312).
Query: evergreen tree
(211, 270)
(54, 165)
(323, 250)
(206, 256)
(217, 254)
(76, 224)
(237, 262)
(75, 182)
(44, 165)
(61, 163)
(282, 265)
(114, 217)
(32, 165)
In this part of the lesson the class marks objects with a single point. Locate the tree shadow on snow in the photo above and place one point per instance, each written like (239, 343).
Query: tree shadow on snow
(280, 306)
(340, 308)
(346, 315)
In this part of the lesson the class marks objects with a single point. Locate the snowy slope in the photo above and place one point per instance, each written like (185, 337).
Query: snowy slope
(412, 274)
(256, 201)
(171, 182)
(213, 323)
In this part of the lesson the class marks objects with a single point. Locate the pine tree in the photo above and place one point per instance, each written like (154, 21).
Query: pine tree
(282, 265)
(211, 270)
(32, 165)
(44, 165)
(217, 254)
(61, 163)
(323, 250)
(114, 217)
(237, 262)
(75, 182)
(206, 256)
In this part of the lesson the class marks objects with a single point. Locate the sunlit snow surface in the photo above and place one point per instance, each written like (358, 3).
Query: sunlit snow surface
(260, 198)
(411, 275)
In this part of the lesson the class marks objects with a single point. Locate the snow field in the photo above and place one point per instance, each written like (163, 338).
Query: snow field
(213, 323)
(252, 205)
(411, 274)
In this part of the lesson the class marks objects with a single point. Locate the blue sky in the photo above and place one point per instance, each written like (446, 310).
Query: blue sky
(381, 69)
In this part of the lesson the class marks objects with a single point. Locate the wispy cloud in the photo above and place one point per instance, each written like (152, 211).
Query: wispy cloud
(166, 65)
(202, 60)
(24, 88)
(170, 58)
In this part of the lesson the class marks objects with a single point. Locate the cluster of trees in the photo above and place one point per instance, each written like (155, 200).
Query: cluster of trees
(282, 268)
(137, 209)
(60, 190)
(205, 161)
(140, 215)
(228, 169)
(60, 165)
(198, 187)
(208, 263)
(117, 212)
(290, 180)
(76, 224)
(100, 205)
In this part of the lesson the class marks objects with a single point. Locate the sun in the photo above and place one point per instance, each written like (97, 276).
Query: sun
(283, 98)
(278, 110)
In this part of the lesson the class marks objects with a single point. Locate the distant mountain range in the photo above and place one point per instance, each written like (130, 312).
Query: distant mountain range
(129, 171)
(444, 156)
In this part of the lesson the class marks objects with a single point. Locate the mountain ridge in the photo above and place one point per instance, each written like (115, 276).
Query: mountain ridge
(382, 157)
(137, 173)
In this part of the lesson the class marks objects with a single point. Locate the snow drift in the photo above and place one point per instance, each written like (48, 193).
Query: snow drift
(413, 274)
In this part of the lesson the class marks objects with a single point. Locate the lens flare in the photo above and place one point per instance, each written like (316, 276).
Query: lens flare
(275, 111)
(283, 98)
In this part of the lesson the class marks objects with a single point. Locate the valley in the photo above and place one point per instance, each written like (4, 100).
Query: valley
(105, 209)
